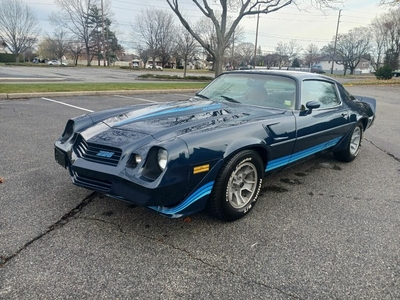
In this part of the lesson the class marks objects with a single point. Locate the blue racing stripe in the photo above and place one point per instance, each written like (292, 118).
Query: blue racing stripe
(280, 162)
(168, 111)
(198, 194)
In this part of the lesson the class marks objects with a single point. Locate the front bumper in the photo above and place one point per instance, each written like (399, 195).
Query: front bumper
(172, 200)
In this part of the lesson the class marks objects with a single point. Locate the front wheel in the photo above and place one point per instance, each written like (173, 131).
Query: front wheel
(353, 147)
(237, 186)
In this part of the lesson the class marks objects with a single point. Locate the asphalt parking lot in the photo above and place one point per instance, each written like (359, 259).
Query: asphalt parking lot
(321, 230)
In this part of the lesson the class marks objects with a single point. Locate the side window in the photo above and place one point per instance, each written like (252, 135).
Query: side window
(345, 94)
(320, 91)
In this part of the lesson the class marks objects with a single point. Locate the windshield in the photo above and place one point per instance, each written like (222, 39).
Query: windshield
(252, 89)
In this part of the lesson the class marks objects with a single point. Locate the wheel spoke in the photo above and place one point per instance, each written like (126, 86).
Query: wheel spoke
(355, 140)
(242, 185)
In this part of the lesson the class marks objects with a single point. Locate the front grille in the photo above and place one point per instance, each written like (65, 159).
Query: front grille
(102, 154)
(91, 183)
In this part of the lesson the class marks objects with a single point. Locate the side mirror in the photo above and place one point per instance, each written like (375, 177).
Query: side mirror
(312, 105)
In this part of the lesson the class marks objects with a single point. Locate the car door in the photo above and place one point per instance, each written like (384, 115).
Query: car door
(323, 127)
(281, 139)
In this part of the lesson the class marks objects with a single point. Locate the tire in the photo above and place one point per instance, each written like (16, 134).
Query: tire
(353, 146)
(237, 186)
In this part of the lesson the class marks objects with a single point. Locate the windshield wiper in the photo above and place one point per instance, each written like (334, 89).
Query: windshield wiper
(229, 99)
(201, 96)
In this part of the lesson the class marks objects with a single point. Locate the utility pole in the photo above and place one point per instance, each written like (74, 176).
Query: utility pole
(104, 38)
(334, 47)
(255, 47)
(233, 49)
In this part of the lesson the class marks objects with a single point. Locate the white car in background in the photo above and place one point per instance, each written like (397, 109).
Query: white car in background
(150, 66)
(56, 62)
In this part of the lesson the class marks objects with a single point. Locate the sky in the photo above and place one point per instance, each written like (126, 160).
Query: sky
(305, 24)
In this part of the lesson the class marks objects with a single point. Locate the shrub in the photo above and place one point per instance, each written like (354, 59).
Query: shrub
(7, 58)
(384, 72)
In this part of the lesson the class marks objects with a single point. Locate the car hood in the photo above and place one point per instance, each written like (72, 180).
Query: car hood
(135, 128)
(169, 120)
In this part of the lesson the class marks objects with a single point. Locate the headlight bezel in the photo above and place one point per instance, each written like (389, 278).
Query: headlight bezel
(156, 162)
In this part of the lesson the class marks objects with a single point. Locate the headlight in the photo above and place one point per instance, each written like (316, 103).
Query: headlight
(162, 158)
(134, 160)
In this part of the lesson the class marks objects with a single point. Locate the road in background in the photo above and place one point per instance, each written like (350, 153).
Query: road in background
(80, 74)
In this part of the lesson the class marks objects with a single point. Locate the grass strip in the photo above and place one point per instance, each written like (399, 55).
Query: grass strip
(373, 82)
(72, 87)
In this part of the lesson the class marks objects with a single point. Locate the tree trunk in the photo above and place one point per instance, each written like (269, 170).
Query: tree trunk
(88, 56)
(218, 60)
(17, 58)
(185, 67)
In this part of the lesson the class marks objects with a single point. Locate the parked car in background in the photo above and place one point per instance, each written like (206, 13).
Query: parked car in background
(317, 69)
(150, 66)
(56, 62)
(214, 150)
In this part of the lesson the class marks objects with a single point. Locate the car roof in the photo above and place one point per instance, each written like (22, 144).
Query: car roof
(299, 75)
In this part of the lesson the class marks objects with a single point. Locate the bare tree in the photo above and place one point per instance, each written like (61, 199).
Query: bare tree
(245, 51)
(60, 41)
(392, 26)
(75, 16)
(46, 48)
(224, 27)
(311, 55)
(155, 30)
(144, 53)
(186, 47)
(270, 60)
(19, 26)
(75, 49)
(237, 37)
(287, 52)
(350, 49)
(379, 41)
(385, 31)
(166, 35)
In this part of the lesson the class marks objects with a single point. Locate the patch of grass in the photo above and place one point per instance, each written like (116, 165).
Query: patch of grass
(373, 82)
(71, 87)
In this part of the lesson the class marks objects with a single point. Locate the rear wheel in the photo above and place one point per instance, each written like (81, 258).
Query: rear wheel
(237, 186)
(353, 147)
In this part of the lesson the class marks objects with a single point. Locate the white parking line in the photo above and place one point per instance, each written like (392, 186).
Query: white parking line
(140, 99)
(81, 108)
(184, 95)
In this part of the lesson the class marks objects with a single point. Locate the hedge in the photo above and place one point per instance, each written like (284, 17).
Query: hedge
(6, 57)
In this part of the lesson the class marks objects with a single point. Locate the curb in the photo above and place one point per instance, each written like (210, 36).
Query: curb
(92, 93)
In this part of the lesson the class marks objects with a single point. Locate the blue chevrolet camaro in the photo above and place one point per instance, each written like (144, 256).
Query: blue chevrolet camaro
(215, 149)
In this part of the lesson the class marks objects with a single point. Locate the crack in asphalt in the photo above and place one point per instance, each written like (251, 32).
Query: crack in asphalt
(189, 254)
(221, 269)
(104, 221)
(383, 150)
(60, 223)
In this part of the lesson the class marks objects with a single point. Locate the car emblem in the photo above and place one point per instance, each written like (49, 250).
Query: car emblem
(103, 153)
